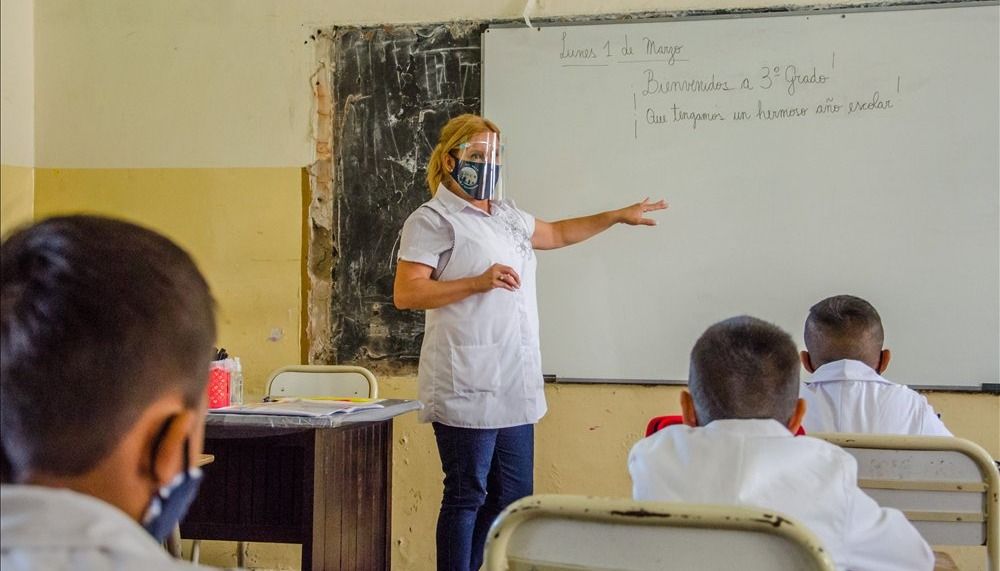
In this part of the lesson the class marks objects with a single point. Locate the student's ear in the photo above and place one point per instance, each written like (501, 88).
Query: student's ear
(449, 163)
(687, 409)
(806, 363)
(800, 412)
(166, 446)
(883, 360)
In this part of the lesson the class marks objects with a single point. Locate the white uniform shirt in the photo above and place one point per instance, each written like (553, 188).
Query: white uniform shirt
(480, 363)
(53, 529)
(758, 463)
(849, 396)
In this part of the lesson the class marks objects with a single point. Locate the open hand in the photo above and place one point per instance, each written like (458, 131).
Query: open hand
(635, 215)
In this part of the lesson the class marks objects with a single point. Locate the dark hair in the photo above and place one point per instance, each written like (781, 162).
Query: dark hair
(744, 367)
(843, 327)
(100, 317)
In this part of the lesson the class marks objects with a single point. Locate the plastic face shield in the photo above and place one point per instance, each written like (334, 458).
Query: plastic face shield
(477, 166)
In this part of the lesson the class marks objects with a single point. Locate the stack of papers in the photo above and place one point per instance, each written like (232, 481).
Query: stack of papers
(301, 407)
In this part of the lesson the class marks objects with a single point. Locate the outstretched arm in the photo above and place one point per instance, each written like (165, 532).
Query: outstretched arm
(552, 235)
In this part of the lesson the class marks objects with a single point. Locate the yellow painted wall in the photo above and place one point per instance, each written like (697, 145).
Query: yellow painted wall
(581, 448)
(975, 417)
(242, 226)
(17, 196)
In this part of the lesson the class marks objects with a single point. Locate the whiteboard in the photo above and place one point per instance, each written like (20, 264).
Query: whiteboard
(803, 156)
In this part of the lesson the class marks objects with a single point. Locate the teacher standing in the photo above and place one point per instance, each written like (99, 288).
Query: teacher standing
(467, 257)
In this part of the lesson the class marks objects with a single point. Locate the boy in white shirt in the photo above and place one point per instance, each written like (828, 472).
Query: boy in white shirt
(737, 448)
(107, 332)
(847, 392)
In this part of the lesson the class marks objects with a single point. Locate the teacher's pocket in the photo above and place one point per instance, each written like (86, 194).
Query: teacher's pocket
(476, 368)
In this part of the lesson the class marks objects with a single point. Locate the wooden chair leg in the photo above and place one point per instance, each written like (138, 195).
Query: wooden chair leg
(241, 554)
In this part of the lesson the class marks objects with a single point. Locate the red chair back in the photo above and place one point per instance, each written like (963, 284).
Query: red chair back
(658, 423)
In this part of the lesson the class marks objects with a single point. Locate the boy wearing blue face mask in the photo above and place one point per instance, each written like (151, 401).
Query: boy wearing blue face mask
(107, 333)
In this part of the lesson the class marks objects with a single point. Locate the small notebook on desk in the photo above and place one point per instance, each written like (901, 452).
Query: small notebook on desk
(300, 407)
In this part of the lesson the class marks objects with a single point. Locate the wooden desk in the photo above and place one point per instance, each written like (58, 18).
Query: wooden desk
(323, 483)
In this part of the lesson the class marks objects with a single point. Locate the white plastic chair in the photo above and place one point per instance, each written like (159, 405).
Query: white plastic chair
(557, 532)
(948, 488)
(322, 380)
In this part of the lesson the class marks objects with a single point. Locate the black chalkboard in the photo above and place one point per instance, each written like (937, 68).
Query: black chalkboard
(392, 88)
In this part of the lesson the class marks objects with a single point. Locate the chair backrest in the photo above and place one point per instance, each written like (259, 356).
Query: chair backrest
(322, 381)
(948, 488)
(556, 532)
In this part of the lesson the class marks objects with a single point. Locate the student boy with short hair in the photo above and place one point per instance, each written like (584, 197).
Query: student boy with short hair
(737, 447)
(847, 393)
(107, 333)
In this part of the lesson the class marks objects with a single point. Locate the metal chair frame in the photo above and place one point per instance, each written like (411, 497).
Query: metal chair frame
(669, 516)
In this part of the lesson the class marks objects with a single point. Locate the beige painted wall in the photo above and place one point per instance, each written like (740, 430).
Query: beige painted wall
(17, 111)
(189, 83)
(17, 83)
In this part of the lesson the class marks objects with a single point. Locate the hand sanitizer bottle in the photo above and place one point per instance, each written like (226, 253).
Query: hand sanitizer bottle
(236, 383)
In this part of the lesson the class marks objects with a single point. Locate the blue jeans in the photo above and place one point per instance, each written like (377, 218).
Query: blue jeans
(485, 470)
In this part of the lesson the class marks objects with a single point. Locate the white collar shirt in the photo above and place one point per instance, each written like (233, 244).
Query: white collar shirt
(58, 529)
(850, 396)
(759, 463)
(480, 361)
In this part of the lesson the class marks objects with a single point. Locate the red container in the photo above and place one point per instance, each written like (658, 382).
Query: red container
(218, 387)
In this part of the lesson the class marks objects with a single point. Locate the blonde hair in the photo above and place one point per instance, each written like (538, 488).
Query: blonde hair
(457, 131)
